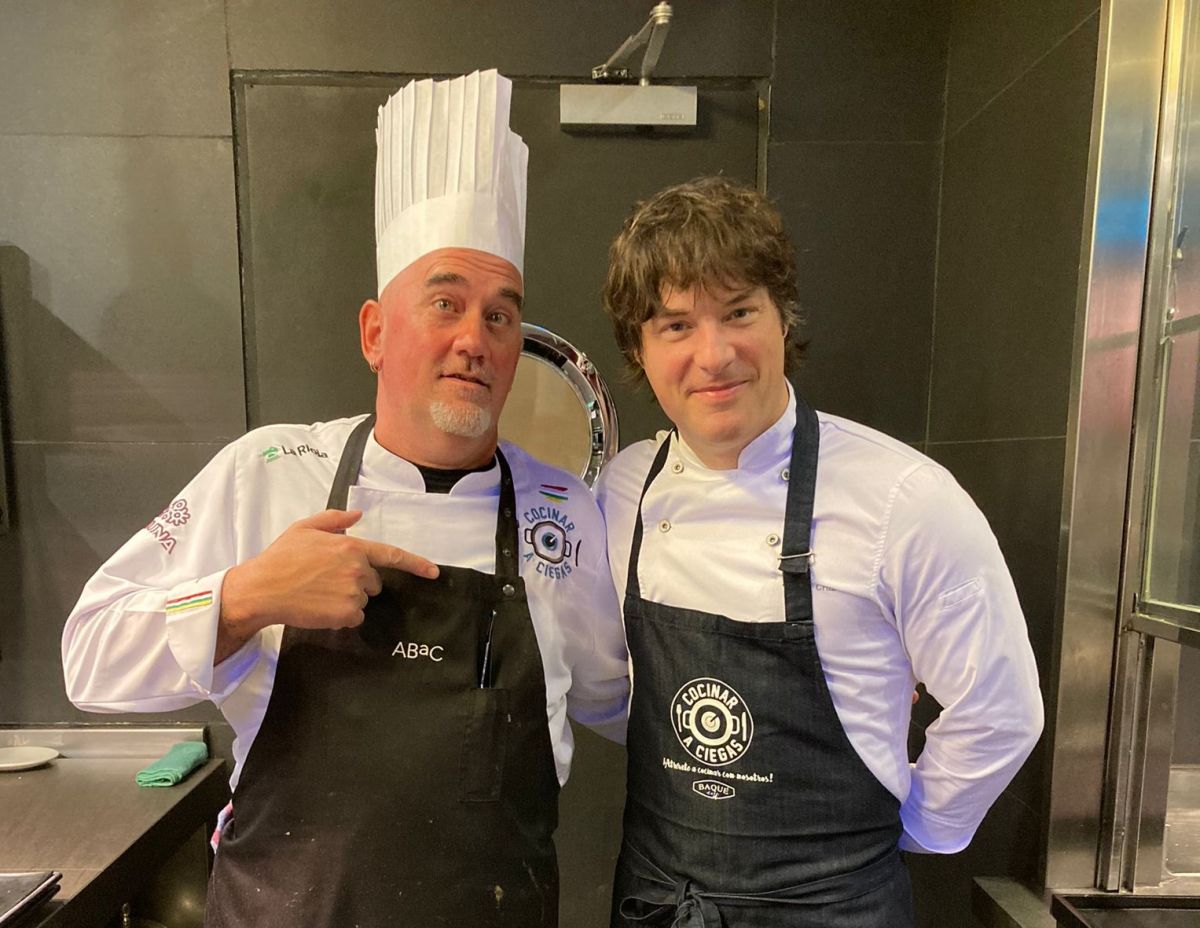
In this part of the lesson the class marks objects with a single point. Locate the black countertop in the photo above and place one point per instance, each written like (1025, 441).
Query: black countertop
(88, 819)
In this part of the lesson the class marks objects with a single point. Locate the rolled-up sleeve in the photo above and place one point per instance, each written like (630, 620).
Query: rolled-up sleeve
(944, 578)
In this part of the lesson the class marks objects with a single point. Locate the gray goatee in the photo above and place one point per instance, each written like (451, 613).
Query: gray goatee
(464, 419)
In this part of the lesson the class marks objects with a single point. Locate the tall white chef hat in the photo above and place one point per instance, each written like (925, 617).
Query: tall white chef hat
(449, 173)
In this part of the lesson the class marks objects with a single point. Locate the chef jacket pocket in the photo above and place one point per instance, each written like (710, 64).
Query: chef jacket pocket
(485, 736)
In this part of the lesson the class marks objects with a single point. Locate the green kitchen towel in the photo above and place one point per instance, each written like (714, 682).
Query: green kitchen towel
(175, 765)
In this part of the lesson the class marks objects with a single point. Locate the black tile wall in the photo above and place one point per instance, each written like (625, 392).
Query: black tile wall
(716, 39)
(74, 505)
(864, 220)
(114, 67)
(127, 325)
(859, 71)
(994, 42)
(1008, 275)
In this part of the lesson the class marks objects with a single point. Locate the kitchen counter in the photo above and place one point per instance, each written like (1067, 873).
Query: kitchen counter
(83, 815)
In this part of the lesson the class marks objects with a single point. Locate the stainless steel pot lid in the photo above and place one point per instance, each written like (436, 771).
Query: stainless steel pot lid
(559, 409)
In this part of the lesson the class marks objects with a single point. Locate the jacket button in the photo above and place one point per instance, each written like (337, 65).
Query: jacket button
(508, 590)
(785, 474)
(677, 468)
(664, 526)
(772, 539)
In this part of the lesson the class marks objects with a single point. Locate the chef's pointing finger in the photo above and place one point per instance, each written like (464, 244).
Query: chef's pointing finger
(381, 555)
(332, 520)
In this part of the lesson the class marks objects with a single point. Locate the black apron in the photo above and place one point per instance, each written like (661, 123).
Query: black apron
(403, 774)
(746, 804)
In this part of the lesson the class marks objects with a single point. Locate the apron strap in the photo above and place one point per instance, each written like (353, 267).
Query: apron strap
(661, 903)
(680, 906)
(506, 522)
(506, 511)
(347, 472)
(796, 554)
(632, 586)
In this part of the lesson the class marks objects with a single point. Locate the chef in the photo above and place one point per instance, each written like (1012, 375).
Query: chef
(396, 612)
(788, 576)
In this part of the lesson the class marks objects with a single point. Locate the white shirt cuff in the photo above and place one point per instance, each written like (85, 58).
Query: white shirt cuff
(193, 612)
(925, 832)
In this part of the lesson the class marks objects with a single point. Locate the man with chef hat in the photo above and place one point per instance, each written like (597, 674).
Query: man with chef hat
(788, 576)
(395, 612)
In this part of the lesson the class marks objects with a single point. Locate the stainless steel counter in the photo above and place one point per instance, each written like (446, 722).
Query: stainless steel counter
(84, 815)
(1124, 910)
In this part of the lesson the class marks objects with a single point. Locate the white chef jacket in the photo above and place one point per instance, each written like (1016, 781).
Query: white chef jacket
(908, 584)
(143, 635)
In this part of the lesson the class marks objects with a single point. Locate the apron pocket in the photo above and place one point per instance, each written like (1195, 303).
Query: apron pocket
(485, 734)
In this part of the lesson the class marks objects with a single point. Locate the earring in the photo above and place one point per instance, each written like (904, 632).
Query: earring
(374, 367)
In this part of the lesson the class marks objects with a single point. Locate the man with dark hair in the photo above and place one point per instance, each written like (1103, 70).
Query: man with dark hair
(788, 577)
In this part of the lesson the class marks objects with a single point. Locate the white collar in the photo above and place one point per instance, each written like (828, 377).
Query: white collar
(766, 453)
(382, 470)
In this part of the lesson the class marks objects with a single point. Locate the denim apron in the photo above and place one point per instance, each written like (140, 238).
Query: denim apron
(403, 774)
(746, 804)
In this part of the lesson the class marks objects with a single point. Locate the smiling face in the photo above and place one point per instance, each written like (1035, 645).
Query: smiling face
(445, 336)
(715, 360)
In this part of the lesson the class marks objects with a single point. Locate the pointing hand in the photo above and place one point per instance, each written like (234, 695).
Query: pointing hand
(312, 576)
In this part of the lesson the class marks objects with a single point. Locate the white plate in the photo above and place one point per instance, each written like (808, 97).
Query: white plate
(25, 757)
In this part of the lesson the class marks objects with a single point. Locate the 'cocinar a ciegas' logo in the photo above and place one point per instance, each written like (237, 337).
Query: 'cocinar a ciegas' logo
(549, 541)
(711, 721)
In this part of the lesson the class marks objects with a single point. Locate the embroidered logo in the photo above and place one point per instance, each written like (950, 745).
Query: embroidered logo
(713, 789)
(549, 542)
(712, 721)
(548, 535)
(189, 602)
(163, 534)
(553, 493)
(176, 514)
(275, 452)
